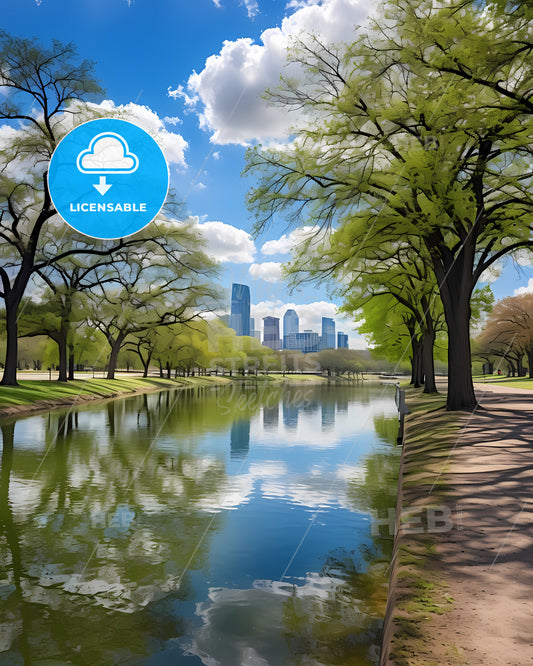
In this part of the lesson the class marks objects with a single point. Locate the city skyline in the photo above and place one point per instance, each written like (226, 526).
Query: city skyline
(290, 337)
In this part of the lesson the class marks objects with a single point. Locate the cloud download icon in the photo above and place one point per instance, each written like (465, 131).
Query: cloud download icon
(108, 147)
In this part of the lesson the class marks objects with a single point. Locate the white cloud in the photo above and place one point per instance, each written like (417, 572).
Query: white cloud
(287, 242)
(252, 8)
(299, 4)
(200, 186)
(225, 242)
(231, 84)
(268, 271)
(179, 93)
(216, 156)
(492, 273)
(524, 290)
(172, 120)
(523, 257)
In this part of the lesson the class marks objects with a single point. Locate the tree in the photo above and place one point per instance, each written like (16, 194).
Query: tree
(69, 278)
(397, 269)
(44, 80)
(508, 333)
(160, 282)
(405, 152)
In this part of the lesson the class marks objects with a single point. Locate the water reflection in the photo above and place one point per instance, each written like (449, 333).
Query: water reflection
(271, 417)
(290, 415)
(240, 438)
(127, 531)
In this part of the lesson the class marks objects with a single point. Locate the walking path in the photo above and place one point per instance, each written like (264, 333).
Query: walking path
(486, 556)
(489, 557)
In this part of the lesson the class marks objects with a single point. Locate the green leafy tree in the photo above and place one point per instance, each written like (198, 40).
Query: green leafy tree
(406, 152)
(160, 282)
(46, 81)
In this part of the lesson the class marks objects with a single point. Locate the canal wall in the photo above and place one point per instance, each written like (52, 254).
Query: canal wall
(389, 626)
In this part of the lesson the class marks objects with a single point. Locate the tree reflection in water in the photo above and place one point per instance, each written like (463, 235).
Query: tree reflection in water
(111, 552)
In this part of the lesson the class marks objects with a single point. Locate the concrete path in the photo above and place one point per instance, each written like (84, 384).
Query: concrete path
(487, 557)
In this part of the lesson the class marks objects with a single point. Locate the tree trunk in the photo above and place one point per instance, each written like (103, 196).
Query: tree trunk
(71, 362)
(418, 371)
(63, 355)
(456, 285)
(428, 362)
(461, 396)
(9, 377)
(113, 357)
(413, 368)
(530, 362)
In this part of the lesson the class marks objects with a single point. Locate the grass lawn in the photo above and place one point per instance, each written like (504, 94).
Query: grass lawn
(30, 391)
(514, 382)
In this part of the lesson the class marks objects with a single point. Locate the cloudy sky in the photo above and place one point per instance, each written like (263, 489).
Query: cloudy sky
(193, 74)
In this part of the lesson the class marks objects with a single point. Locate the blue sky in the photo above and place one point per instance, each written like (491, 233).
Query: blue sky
(194, 71)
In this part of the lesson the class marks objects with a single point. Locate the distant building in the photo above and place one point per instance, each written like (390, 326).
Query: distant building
(271, 332)
(253, 332)
(328, 333)
(291, 326)
(306, 342)
(239, 319)
(342, 340)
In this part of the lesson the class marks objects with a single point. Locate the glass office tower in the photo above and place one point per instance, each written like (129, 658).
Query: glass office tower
(328, 333)
(342, 340)
(291, 326)
(239, 319)
(271, 332)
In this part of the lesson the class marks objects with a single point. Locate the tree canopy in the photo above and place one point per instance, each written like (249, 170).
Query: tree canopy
(405, 151)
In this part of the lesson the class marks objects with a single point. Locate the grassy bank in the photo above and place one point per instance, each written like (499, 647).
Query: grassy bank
(41, 394)
(420, 592)
(36, 395)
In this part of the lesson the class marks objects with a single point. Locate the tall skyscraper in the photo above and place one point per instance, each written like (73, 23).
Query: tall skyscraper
(342, 340)
(328, 333)
(271, 332)
(291, 327)
(291, 323)
(239, 319)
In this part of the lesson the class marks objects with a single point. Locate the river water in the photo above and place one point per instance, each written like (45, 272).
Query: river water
(229, 526)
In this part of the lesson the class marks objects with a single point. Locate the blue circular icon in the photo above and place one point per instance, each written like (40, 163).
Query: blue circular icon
(108, 178)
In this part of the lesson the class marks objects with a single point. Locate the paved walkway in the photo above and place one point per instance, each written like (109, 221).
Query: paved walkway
(488, 555)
